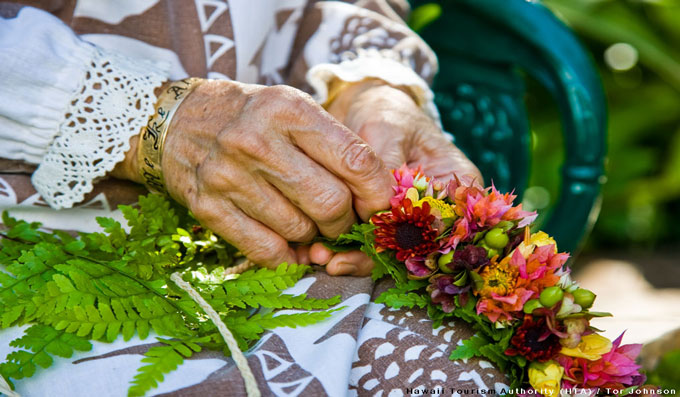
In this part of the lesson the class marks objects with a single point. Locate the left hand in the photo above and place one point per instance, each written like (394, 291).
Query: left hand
(400, 132)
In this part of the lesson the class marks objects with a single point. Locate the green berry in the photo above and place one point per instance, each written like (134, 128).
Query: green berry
(532, 305)
(444, 260)
(584, 298)
(496, 238)
(491, 252)
(551, 295)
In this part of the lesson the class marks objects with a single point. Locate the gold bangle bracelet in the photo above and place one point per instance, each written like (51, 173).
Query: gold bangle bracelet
(152, 137)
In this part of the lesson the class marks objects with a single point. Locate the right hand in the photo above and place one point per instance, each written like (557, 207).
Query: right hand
(262, 166)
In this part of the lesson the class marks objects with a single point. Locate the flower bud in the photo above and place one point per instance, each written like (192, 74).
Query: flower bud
(546, 377)
(496, 238)
(584, 297)
(532, 305)
(568, 307)
(551, 295)
(575, 327)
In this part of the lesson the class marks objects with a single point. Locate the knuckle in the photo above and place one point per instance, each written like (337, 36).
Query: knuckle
(277, 94)
(359, 159)
(202, 210)
(250, 142)
(333, 204)
(286, 97)
(211, 179)
(299, 229)
(266, 251)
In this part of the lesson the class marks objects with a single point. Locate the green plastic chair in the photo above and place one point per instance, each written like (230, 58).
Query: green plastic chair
(483, 47)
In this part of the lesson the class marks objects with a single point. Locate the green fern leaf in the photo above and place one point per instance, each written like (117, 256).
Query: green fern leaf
(273, 320)
(278, 301)
(401, 296)
(265, 280)
(469, 348)
(103, 285)
(43, 342)
(160, 361)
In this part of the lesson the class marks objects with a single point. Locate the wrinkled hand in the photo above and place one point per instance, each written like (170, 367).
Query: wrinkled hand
(262, 166)
(389, 120)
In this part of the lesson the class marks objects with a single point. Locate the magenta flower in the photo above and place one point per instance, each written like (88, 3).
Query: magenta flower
(404, 177)
(614, 370)
(482, 209)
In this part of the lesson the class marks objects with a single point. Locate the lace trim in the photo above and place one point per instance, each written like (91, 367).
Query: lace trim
(384, 64)
(112, 106)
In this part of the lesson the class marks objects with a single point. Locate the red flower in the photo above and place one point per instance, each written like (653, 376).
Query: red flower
(534, 341)
(407, 230)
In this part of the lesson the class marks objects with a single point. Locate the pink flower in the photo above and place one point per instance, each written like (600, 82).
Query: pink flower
(483, 209)
(615, 369)
(487, 210)
(540, 270)
(404, 177)
(509, 284)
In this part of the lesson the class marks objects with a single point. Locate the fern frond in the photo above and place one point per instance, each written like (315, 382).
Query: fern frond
(265, 280)
(103, 285)
(249, 328)
(276, 300)
(24, 278)
(162, 360)
(107, 319)
(399, 300)
(42, 342)
(402, 295)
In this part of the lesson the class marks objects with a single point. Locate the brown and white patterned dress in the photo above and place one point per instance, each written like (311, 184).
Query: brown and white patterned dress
(365, 349)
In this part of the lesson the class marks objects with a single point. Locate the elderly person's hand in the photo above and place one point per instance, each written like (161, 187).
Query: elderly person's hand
(389, 120)
(264, 166)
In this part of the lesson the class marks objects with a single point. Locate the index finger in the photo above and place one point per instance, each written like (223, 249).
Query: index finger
(346, 155)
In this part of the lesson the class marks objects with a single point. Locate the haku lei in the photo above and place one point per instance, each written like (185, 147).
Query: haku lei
(455, 248)
(464, 251)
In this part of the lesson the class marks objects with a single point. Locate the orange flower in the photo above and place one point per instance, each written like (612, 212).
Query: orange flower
(538, 271)
(502, 300)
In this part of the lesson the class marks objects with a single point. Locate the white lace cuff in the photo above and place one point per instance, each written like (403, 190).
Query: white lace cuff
(112, 104)
(378, 66)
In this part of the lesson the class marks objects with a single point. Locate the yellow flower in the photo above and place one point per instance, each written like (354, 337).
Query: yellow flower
(498, 278)
(438, 207)
(546, 377)
(412, 194)
(592, 347)
(542, 238)
(539, 239)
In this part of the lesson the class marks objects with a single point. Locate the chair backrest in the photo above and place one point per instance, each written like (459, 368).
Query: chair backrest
(483, 47)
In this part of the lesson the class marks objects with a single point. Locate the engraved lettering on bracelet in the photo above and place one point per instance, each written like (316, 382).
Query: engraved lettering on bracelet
(180, 88)
(154, 128)
(148, 163)
(153, 135)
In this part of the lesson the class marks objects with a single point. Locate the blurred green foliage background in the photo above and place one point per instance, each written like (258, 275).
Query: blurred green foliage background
(636, 45)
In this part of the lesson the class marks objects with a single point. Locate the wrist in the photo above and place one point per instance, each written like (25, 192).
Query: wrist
(128, 169)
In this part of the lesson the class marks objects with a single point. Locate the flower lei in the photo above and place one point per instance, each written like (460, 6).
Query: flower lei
(463, 251)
